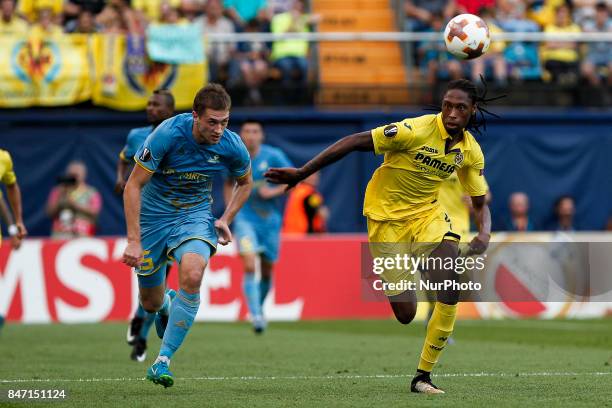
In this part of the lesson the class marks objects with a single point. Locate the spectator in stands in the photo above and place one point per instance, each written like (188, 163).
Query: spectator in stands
(598, 61)
(73, 204)
(74, 8)
(522, 58)
(519, 220)
(30, 9)
(420, 13)
(251, 64)
(473, 6)
(493, 60)
(291, 56)
(564, 211)
(561, 58)
(278, 6)
(305, 212)
(45, 25)
(243, 11)
(84, 24)
(218, 53)
(153, 9)
(191, 9)
(10, 24)
(434, 60)
(170, 15)
(117, 17)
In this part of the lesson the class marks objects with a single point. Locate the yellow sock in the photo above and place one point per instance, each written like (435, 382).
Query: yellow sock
(439, 330)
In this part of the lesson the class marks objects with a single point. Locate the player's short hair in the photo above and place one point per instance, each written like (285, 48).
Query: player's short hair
(212, 96)
(167, 95)
(249, 121)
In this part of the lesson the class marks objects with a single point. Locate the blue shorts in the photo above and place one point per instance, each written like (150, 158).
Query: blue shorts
(257, 237)
(164, 240)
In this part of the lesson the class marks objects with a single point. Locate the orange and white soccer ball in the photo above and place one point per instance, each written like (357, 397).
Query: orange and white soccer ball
(467, 36)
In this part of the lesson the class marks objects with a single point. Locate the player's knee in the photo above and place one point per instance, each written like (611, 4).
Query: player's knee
(405, 315)
(191, 279)
(151, 304)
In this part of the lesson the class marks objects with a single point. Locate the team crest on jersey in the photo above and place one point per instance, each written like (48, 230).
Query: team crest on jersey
(145, 156)
(390, 131)
(214, 159)
(458, 158)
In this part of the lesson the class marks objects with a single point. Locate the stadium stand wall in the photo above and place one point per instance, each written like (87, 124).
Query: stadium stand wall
(543, 154)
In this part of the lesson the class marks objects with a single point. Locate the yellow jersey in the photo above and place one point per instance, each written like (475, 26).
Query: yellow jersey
(15, 26)
(7, 175)
(30, 8)
(416, 162)
(452, 199)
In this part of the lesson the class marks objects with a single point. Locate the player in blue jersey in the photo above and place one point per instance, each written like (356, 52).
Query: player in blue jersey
(160, 107)
(167, 202)
(257, 226)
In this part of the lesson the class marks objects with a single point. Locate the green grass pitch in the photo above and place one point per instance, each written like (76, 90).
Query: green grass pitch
(322, 364)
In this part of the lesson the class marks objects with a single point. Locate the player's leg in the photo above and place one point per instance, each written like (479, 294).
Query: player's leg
(192, 257)
(151, 286)
(441, 324)
(248, 247)
(268, 235)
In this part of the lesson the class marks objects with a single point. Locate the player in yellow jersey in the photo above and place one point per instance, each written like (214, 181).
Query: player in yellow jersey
(401, 202)
(16, 228)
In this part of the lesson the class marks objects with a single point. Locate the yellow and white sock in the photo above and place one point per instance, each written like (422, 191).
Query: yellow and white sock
(439, 329)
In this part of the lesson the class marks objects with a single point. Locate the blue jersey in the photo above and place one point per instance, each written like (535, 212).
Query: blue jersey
(256, 208)
(134, 140)
(183, 170)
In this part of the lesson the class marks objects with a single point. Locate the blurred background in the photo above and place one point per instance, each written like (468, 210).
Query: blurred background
(75, 77)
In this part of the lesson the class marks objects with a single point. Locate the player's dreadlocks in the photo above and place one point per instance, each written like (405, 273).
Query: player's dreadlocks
(478, 120)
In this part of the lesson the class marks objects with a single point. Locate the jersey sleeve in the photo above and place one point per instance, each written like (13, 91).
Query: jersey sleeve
(8, 178)
(240, 165)
(394, 137)
(281, 160)
(130, 148)
(154, 148)
(471, 175)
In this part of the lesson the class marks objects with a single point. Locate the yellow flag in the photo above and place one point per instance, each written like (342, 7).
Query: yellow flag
(44, 70)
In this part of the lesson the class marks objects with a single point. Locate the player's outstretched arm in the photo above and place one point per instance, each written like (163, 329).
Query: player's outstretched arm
(291, 176)
(240, 194)
(482, 216)
(131, 204)
(13, 193)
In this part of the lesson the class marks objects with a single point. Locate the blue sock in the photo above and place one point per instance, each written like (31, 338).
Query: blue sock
(149, 318)
(264, 287)
(251, 292)
(140, 312)
(184, 309)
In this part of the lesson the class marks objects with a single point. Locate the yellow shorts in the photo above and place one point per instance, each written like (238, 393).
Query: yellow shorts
(416, 237)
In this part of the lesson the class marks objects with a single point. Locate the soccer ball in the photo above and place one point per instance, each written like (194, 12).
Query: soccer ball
(467, 36)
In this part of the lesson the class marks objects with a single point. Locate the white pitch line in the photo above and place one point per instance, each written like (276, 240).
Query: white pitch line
(306, 377)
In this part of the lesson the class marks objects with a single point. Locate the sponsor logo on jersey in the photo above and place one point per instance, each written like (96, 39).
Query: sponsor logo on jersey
(434, 163)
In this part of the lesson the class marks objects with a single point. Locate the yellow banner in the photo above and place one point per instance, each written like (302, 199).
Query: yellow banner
(47, 71)
(124, 79)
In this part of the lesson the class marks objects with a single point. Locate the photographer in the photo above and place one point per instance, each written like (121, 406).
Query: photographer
(73, 204)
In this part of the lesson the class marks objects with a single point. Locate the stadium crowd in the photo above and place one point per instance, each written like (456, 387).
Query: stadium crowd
(560, 62)
(233, 64)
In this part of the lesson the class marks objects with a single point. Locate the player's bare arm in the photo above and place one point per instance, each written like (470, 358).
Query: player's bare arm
(13, 193)
(482, 217)
(291, 176)
(7, 218)
(240, 194)
(131, 203)
(121, 173)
